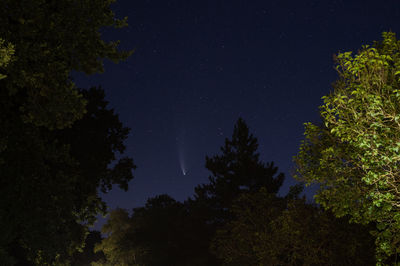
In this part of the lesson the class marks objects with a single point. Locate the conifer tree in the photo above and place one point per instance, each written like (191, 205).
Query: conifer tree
(238, 169)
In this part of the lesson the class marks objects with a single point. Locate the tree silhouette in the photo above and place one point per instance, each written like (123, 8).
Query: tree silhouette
(51, 195)
(166, 232)
(157, 234)
(44, 194)
(238, 169)
(236, 219)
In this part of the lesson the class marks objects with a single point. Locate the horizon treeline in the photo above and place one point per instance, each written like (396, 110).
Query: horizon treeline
(236, 218)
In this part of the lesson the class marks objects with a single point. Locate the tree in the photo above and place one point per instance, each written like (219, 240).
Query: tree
(6, 53)
(102, 133)
(54, 195)
(156, 234)
(51, 38)
(87, 256)
(44, 197)
(269, 230)
(114, 246)
(353, 156)
(238, 169)
(166, 232)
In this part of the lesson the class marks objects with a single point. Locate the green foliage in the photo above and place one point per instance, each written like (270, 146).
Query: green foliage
(159, 233)
(86, 256)
(6, 53)
(268, 230)
(354, 155)
(115, 246)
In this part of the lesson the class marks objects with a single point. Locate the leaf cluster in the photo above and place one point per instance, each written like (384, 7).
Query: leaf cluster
(354, 155)
(269, 230)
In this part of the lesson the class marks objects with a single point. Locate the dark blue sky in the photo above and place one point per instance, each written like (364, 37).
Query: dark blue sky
(199, 65)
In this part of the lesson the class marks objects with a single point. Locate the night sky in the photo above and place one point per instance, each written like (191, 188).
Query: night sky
(200, 65)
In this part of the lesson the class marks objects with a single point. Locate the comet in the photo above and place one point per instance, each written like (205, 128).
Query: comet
(182, 151)
(182, 163)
